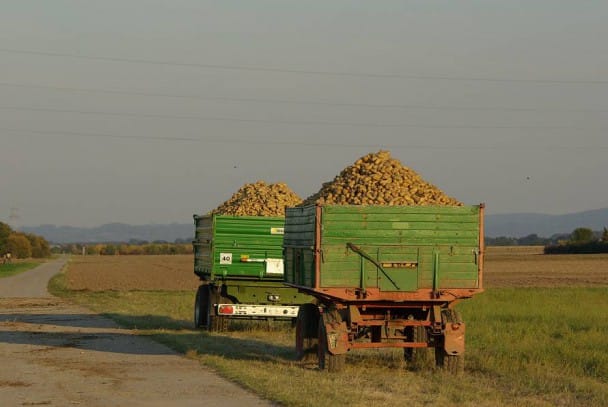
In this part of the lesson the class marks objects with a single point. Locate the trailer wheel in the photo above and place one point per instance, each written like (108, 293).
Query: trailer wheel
(333, 363)
(215, 323)
(307, 332)
(453, 364)
(418, 358)
(201, 304)
(218, 323)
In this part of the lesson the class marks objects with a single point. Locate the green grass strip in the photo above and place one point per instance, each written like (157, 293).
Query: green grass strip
(11, 269)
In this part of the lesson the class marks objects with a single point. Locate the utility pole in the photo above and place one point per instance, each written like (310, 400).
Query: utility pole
(14, 218)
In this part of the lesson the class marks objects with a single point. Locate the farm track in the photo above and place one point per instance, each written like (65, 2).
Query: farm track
(55, 353)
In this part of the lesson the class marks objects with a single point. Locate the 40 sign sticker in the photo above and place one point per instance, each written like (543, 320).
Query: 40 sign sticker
(225, 258)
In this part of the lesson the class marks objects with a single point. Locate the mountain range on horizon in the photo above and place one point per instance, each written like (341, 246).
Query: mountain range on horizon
(514, 225)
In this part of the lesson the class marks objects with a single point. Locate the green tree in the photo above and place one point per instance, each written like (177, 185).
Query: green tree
(109, 249)
(582, 235)
(605, 235)
(40, 247)
(5, 232)
(19, 246)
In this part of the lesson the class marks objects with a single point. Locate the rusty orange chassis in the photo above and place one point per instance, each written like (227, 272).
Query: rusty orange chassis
(347, 312)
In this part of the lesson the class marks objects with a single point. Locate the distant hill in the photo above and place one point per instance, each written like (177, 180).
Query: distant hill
(114, 232)
(524, 224)
(511, 225)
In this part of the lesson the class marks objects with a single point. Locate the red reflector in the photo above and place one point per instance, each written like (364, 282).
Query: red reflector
(226, 309)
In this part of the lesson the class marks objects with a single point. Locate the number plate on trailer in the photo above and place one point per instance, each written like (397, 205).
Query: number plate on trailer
(400, 265)
(285, 311)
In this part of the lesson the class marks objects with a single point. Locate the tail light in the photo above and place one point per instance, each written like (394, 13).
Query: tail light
(225, 310)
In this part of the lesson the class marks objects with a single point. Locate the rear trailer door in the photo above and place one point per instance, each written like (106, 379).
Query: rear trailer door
(400, 248)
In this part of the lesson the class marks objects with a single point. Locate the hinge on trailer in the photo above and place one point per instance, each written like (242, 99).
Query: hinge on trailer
(436, 319)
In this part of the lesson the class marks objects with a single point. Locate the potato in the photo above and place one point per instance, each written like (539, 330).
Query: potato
(259, 199)
(379, 179)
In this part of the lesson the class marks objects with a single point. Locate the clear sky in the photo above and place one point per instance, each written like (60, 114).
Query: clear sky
(150, 111)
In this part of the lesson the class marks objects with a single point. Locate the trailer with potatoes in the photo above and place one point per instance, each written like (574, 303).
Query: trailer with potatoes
(384, 276)
(240, 263)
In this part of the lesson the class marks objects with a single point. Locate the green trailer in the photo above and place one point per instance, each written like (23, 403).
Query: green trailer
(383, 276)
(239, 260)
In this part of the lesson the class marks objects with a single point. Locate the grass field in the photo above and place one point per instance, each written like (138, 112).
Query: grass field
(526, 345)
(16, 267)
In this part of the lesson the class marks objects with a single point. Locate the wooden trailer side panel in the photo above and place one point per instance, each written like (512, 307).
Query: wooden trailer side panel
(388, 248)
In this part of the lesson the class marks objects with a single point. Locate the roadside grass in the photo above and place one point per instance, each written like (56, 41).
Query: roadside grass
(7, 270)
(545, 341)
(525, 347)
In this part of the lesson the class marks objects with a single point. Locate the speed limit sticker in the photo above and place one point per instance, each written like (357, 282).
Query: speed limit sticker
(225, 258)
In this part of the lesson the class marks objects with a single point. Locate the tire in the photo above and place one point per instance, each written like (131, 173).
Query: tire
(306, 333)
(418, 358)
(201, 313)
(333, 363)
(452, 364)
(215, 323)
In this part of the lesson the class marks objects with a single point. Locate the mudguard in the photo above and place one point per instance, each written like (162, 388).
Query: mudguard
(454, 338)
(336, 333)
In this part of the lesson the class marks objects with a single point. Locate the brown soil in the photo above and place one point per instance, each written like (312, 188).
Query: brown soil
(123, 273)
(529, 267)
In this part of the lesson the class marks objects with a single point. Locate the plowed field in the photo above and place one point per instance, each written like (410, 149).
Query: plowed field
(123, 273)
(529, 267)
(504, 267)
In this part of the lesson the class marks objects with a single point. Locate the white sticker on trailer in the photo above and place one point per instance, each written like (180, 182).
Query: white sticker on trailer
(225, 258)
(274, 267)
(277, 231)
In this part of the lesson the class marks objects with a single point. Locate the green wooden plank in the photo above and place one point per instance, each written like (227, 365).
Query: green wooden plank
(418, 241)
(399, 226)
(382, 209)
(396, 218)
(397, 234)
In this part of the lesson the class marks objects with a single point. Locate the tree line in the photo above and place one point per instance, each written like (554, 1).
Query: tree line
(125, 249)
(22, 245)
(580, 240)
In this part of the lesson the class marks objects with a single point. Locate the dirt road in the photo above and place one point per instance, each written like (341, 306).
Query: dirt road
(54, 353)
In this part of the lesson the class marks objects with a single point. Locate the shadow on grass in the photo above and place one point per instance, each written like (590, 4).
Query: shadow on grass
(148, 321)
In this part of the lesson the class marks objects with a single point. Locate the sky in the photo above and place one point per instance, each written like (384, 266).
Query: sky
(148, 111)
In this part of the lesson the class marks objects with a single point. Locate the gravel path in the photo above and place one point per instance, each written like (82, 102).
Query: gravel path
(54, 353)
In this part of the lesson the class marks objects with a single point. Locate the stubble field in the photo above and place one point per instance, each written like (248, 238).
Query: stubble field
(535, 337)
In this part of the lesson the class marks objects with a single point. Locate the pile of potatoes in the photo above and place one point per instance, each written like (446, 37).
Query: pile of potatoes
(259, 199)
(379, 179)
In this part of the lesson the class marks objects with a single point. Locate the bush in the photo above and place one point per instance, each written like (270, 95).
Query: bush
(577, 248)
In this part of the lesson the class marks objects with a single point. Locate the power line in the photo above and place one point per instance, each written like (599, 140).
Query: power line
(295, 122)
(292, 143)
(296, 102)
(301, 71)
